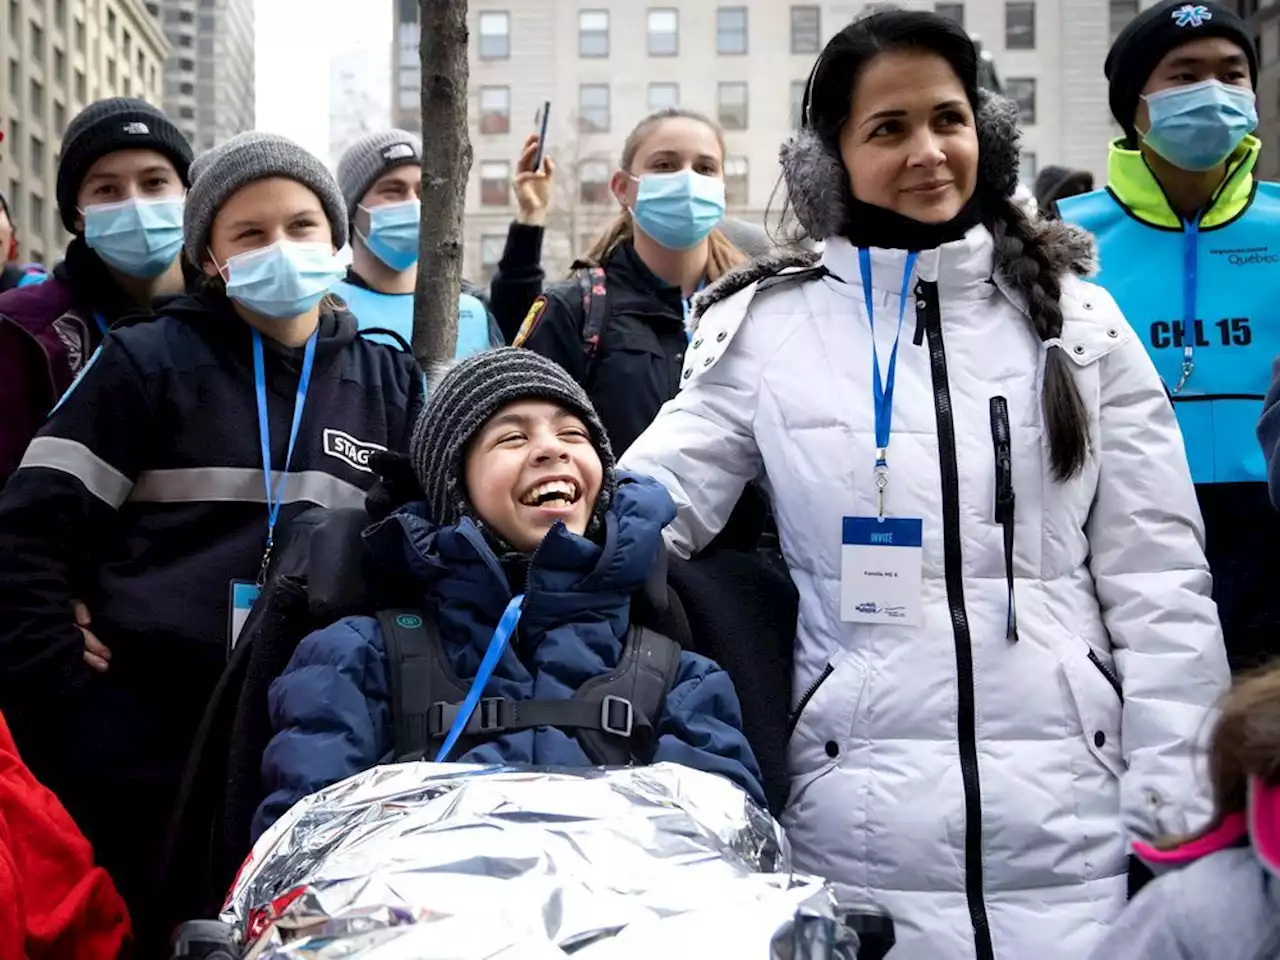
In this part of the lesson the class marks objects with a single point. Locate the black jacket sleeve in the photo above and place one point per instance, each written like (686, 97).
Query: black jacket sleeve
(554, 329)
(519, 278)
(77, 472)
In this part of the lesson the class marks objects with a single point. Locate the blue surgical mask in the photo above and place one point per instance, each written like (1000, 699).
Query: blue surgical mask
(679, 209)
(286, 279)
(393, 233)
(1198, 126)
(140, 238)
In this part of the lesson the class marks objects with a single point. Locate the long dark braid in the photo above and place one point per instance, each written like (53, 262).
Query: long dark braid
(1022, 259)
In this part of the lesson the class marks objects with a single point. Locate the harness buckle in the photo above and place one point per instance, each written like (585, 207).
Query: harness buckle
(617, 716)
(489, 713)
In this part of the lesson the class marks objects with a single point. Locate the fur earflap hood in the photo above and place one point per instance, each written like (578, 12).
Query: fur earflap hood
(1068, 249)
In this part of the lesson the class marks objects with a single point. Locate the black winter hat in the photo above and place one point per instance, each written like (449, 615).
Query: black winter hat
(472, 392)
(106, 126)
(1143, 43)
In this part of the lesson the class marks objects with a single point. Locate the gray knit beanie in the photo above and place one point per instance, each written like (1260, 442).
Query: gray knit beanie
(370, 157)
(242, 160)
(471, 393)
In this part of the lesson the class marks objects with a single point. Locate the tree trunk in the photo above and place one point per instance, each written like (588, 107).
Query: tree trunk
(446, 165)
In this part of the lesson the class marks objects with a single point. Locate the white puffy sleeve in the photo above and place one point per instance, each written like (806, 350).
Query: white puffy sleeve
(1146, 541)
(702, 445)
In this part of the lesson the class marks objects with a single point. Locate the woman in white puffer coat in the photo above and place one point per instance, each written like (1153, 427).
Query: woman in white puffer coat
(976, 744)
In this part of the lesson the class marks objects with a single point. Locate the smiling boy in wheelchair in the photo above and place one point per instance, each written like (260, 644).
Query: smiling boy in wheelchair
(527, 549)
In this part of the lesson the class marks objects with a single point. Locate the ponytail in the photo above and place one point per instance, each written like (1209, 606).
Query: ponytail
(1023, 260)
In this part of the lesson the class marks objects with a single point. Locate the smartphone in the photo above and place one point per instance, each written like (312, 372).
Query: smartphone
(542, 136)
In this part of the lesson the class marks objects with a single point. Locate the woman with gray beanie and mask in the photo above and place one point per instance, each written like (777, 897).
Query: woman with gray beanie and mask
(527, 542)
(155, 489)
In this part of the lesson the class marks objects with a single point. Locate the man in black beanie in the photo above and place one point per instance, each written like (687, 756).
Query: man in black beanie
(122, 177)
(1189, 248)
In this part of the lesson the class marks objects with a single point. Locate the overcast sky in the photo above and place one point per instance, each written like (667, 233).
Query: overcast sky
(295, 39)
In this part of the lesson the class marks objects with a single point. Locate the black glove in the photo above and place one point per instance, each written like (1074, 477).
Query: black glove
(397, 485)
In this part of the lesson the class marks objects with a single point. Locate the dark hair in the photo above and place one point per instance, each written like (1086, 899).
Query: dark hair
(827, 103)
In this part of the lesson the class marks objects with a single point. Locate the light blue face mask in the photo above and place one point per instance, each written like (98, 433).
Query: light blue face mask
(679, 209)
(140, 238)
(393, 233)
(286, 279)
(1198, 126)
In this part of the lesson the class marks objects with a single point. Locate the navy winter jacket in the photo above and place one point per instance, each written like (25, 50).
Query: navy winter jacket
(331, 707)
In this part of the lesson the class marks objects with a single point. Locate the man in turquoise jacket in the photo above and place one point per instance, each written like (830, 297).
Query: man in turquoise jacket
(381, 180)
(1189, 245)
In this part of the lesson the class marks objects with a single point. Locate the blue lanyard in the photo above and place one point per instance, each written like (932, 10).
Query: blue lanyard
(102, 324)
(275, 497)
(501, 634)
(687, 303)
(1191, 233)
(882, 394)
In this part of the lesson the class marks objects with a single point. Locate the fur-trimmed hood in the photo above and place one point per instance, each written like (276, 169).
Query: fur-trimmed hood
(1068, 249)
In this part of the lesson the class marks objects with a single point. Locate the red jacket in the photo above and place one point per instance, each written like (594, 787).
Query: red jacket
(54, 903)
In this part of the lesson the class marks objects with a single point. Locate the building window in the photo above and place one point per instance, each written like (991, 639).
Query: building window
(111, 73)
(126, 87)
(1027, 168)
(37, 212)
(735, 181)
(806, 29)
(59, 116)
(186, 64)
(733, 106)
(495, 183)
(81, 88)
(797, 103)
(15, 79)
(495, 36)
(1270, 43)
(187, 89)
(1019, 25)
(593, 33)
(142, 66)
(664, 33)
(59, 65)
(495, 109)
(128, 44)
(1121, 12)
(187, 113)
(37, 44)
(14, 196)
(37, 99)
(60, 13)
(491, 248)
(593, 181)
(80, 36)
(186, 40)
(1022, 91)
(15, 18)
(731, 30)
(663, 96)
(111, 24)
(593, 108)
(952, 11)
(37, 156)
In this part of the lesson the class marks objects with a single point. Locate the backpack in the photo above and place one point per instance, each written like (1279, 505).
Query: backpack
(613, 716)
(589, 287)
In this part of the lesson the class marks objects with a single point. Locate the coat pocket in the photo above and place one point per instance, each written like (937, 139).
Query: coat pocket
(823, 724)
(1098, 700)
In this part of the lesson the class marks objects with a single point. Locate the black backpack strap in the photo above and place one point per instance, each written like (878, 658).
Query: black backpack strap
(594, 291)
(637, 688)
(420, 679)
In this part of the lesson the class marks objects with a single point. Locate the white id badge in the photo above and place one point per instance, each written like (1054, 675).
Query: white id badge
(881, 562)
(244, 593)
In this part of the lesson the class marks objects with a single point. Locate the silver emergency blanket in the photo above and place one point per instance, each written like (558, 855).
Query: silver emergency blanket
(420, 861)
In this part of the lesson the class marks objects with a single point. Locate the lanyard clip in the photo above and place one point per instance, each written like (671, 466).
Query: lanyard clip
(1188, 367)
(882, 481)
(266, 562)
